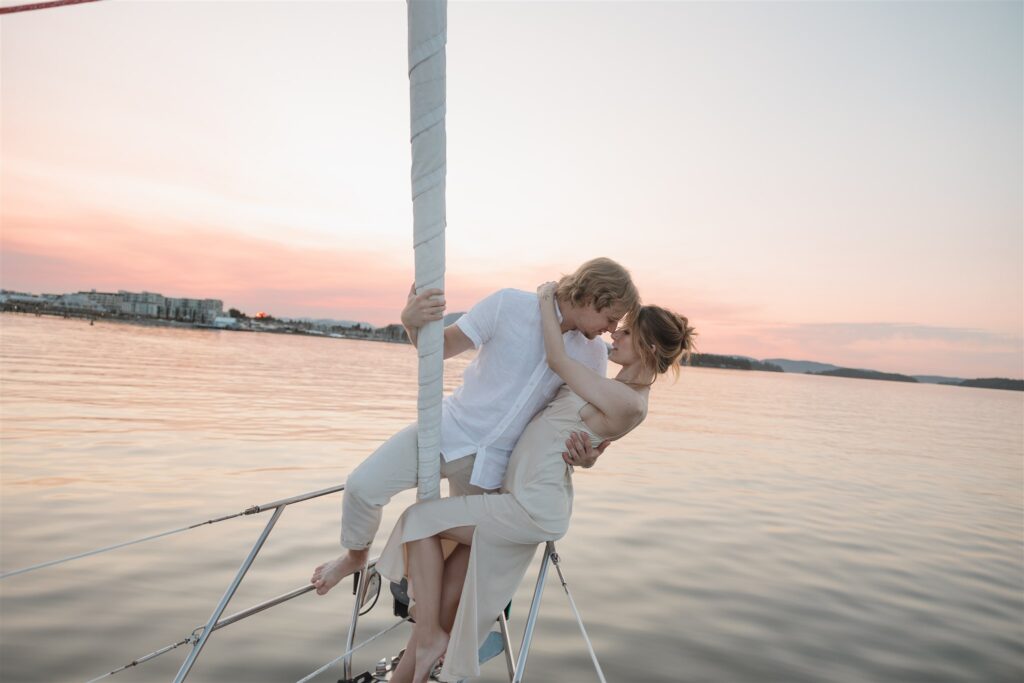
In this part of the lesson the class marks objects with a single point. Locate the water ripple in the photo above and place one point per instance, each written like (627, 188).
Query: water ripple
(759, 527)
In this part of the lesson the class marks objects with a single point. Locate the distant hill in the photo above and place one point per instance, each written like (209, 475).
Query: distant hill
(994, 383)
(866, 374)
(452, 317)
(809, 367)
(801, 366)
(938, 379)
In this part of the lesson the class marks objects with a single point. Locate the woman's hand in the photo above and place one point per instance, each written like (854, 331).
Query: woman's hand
(554, 346)
(546, 291)
(423, 308)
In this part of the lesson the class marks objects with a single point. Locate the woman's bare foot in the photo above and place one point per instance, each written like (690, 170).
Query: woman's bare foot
(326, 576)
(429, 649)
(406, 663)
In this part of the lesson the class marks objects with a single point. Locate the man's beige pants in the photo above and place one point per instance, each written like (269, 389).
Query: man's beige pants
(389, 470)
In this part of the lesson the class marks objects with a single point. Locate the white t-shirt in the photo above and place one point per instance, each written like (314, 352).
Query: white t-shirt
(507, 383)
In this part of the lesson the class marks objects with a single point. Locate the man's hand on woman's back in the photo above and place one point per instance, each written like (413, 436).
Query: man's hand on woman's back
(579, 452)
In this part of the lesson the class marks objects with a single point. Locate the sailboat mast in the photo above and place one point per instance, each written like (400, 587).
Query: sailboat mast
(428, 24)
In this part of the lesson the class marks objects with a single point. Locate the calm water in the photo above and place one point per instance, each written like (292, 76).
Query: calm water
(759, 527)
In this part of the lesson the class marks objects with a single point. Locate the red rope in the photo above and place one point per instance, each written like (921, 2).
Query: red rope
(41, 5)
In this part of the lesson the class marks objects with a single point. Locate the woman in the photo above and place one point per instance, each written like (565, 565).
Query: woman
(459, 597)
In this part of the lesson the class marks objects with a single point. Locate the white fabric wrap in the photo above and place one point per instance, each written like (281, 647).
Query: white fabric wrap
(427, 38)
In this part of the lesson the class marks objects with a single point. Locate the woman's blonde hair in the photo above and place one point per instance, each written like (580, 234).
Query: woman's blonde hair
(661, 338)
(601, 282)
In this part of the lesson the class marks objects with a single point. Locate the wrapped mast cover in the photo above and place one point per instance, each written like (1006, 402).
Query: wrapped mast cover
(428, 21)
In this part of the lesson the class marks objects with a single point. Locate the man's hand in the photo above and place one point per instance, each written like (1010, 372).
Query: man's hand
(580, 453)
(423, 308)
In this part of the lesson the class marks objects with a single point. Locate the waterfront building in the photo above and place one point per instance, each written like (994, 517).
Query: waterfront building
(393, 332)
(193, 310)
(121, 303)
(21, 298)
(106, 302)
(80, 301)
(145, 304)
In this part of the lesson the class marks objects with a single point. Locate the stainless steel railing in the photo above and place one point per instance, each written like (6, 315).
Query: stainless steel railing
(365, 578)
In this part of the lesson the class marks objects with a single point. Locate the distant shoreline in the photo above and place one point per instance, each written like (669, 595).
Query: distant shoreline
(712, 361)
(783, 365)
(182, 325)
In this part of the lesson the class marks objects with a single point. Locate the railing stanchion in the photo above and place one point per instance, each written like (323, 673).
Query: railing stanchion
(579, 619)
(228, 594)
(531, 619)
(360, 589)
(510, 658)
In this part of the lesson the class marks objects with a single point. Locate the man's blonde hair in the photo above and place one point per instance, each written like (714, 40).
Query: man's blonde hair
(601, 282)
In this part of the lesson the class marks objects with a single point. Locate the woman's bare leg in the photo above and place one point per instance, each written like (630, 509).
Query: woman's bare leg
(451, 585)
(426, 566)
(426, 572)
(451, 590)
(407, 664)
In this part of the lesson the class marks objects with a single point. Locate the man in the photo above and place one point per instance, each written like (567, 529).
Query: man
(503, 388)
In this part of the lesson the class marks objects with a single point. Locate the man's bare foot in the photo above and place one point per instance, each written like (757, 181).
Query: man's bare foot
(326, 576)
(429, 649)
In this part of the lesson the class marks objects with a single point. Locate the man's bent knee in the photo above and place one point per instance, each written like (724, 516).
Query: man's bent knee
(360, 485)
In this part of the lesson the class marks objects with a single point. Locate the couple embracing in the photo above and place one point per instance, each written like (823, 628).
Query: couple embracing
(534, 403)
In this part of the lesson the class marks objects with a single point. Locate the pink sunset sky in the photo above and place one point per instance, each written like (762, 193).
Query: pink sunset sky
(839, 182)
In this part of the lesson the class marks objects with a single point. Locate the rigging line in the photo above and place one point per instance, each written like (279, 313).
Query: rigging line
(579, 619)
(198, 630)
(41, 5)
(255, 509)
(334, 661)
(142, 659)
(51, 563)
(226, 621)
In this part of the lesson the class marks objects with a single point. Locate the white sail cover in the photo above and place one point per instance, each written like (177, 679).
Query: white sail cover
(428, 28)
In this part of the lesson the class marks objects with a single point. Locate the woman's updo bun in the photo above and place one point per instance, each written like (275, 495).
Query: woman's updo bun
(662, 338)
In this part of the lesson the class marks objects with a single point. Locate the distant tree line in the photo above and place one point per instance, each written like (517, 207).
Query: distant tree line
(865, 374)
(712, 360)
(994, 383)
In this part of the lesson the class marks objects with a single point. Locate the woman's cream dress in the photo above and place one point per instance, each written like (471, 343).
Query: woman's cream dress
(533, 506)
